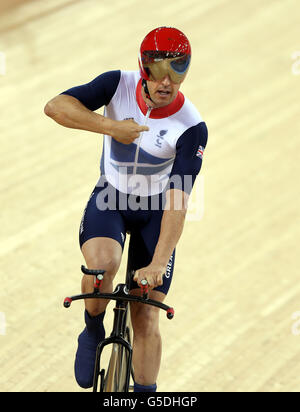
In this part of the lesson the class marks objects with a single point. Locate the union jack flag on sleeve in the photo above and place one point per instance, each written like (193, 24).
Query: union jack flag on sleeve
(200, 152)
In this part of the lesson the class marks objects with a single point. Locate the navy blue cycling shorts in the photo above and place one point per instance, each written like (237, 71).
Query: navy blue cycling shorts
(114, 222)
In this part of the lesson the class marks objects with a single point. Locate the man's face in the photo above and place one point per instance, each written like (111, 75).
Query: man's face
(162, 92)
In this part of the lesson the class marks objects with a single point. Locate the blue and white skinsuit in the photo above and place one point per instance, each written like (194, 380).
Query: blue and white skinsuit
(169, 155)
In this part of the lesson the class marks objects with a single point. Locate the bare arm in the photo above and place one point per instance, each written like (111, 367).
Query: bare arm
(70, 112)
(172, 225)
(170, 232)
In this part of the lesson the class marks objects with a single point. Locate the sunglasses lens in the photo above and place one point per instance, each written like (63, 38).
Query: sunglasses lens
(157, 66)
(181, 65)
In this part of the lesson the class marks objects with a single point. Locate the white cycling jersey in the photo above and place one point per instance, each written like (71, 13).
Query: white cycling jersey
(172, 148)
(143, 168)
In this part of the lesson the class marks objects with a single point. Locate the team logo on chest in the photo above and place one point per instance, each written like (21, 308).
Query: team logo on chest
(160, 138)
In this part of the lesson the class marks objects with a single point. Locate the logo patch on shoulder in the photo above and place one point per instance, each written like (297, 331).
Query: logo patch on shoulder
(200, 152)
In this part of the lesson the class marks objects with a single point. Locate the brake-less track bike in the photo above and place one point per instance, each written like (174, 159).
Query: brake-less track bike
(117, 376)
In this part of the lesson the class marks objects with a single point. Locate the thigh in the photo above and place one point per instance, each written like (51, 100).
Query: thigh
(99, 223)
(102, 237)
(102, 253)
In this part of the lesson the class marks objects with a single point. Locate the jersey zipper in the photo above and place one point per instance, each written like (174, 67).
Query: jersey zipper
(139, 142)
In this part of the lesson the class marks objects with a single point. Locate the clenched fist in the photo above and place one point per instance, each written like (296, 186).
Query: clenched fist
(152, 273)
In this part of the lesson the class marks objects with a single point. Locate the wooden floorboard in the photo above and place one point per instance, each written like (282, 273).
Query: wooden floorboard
(236, 283)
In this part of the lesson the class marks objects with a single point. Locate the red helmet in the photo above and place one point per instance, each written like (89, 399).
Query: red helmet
(165, 50)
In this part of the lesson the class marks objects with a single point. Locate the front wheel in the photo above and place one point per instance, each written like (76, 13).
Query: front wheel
(110, 380)
(118, 371)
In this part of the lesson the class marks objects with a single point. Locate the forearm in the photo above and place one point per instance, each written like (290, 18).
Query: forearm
(69, 112)
(171, 230)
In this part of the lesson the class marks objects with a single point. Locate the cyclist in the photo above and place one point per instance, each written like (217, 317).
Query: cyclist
(153, 146)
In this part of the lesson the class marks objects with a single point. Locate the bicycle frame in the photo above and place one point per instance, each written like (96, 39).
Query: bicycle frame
(118, 377)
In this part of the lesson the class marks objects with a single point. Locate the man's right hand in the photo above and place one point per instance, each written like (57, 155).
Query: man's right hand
(126, 131)
(70, 112)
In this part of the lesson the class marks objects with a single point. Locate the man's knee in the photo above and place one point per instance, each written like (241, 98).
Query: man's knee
(104, 262)
(145, 321)
(105, 254)
(108, 265)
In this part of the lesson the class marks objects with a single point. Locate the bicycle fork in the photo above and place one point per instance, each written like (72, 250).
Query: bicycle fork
(119, 369)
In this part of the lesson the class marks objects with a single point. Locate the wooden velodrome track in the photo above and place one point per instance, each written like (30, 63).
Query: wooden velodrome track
(236, 285)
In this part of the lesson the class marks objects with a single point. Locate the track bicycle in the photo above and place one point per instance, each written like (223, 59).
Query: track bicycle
(119, 371)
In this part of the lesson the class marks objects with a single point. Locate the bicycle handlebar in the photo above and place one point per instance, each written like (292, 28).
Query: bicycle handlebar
(144, 287)
(121, 293)
(92, 271)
